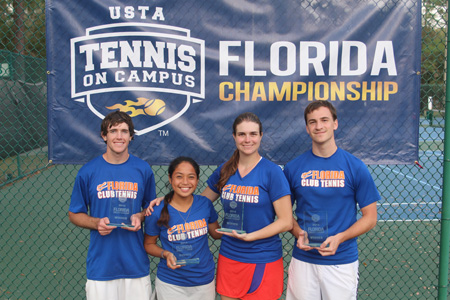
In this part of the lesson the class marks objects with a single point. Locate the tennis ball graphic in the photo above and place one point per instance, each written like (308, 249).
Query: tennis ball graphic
(154, 107)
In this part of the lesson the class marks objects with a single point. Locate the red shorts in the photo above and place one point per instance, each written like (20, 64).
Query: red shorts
(250, 281)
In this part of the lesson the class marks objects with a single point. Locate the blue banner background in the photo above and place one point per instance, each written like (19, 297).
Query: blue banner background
(197, 121)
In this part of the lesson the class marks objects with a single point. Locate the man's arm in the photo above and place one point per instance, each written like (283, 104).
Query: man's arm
(363, 225)
(85, 221)
(136, 220)
(208, 193)
(299, 234)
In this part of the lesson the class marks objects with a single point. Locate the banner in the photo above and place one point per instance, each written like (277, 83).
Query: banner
(184, 70)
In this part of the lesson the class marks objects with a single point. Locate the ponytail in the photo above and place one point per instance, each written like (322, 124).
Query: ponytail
(165, 217)
(228, 169)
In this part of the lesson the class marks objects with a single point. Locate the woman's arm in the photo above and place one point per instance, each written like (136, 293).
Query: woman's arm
(212, 230)
(283, 222)
(210, 194)
(154, 250)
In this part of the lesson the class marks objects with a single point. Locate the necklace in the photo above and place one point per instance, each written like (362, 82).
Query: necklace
(188, 212)
(183, 235)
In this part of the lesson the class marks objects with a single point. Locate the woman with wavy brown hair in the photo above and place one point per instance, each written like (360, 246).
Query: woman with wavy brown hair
(250, 264)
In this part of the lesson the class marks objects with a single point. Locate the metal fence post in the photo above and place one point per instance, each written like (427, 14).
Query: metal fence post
(445, 219)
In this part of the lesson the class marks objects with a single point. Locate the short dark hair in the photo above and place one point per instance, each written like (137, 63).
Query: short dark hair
(318, 104)
(115, 118)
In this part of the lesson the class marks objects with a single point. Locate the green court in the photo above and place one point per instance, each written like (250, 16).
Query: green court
(43, 254)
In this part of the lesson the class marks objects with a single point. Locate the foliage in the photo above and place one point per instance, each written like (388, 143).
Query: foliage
(22, 25)
(434, 15)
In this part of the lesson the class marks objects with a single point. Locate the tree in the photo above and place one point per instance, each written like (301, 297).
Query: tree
(434, 39)
(22, 26)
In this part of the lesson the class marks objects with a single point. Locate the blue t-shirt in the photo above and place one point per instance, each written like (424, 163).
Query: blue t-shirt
(121, 253)
(187, 231)
(335, 184)
(258, 190)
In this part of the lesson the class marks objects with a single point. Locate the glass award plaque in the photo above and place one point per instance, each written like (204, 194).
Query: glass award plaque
(184, 251)
(315, 224)
(233, 218)
(120, 212)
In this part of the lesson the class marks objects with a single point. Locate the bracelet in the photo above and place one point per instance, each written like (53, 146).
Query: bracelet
(162, 254)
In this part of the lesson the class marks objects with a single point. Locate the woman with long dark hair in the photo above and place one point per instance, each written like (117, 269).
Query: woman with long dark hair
(250, 264)
(186, 268)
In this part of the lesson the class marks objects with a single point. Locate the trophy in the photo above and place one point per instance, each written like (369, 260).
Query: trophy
(120, 212)
(315, 224)
(184, 251)
(233, 217)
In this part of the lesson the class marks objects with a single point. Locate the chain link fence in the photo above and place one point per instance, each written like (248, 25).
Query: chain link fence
(42, 255)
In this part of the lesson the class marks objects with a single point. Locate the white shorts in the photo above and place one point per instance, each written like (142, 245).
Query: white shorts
(167, 291)
(119, 289)
(327, 282)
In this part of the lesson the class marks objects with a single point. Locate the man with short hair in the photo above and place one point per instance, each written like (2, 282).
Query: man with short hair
(328, 181)
(117, 264)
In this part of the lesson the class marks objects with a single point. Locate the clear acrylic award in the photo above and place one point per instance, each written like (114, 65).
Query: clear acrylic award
(315, 224)
(120, 212)
(184, 251)
(233, 218)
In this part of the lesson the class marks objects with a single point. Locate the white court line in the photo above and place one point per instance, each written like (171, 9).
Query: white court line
(431, 140)
(409, 220)
(408, 203)
(412, 178)
(437, 153)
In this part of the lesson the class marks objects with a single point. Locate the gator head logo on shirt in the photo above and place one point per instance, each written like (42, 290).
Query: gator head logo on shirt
(101, 187)
(306, 174)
